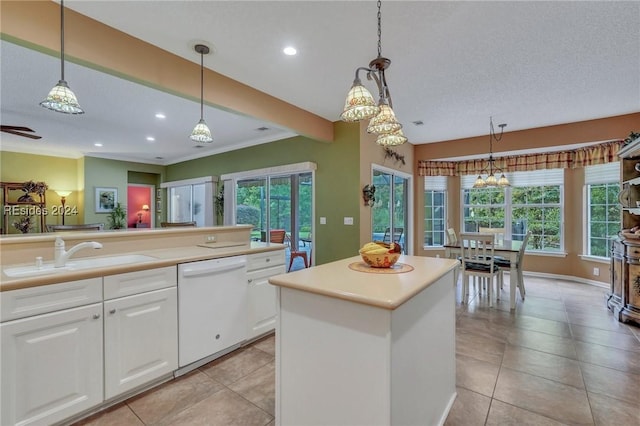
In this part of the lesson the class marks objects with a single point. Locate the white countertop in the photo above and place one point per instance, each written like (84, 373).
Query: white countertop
(384, 290)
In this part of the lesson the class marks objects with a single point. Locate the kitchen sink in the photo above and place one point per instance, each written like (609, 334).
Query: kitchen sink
(76, 264)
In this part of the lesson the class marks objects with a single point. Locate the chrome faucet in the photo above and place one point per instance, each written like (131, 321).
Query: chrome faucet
(61, 256)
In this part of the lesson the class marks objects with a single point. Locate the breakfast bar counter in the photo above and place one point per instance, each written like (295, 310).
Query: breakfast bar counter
(366, 346)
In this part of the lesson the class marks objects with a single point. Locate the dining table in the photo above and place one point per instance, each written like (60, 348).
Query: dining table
(509, 249)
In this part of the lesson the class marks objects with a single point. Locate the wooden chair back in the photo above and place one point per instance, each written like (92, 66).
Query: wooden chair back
(177, 224)
(81, 227)
(277, 236)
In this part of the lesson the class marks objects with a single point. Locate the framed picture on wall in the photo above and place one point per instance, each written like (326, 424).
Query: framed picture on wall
(106, 199)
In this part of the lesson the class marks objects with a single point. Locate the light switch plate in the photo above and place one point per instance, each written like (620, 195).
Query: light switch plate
(348, 221)
(323, 221)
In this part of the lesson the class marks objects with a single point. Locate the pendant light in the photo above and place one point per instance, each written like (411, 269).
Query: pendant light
(201, 132)
(491, 179)
(360, 105)
(61, 98)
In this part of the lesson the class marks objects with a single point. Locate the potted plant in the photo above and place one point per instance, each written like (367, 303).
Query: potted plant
(117, 218)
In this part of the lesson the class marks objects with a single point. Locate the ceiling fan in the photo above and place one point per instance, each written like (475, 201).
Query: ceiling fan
(20, 131)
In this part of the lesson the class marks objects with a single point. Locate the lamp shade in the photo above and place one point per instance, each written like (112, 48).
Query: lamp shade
(384, 122)
(503, 181)
(359, 104)
(201, 132)
(392, 139)
(62, 99)
(63, 193)
(479, 183)
(145, 207)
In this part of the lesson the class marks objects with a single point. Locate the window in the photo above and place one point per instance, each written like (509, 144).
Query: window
(190, 200)
(435, 215)
(602, 207)
(533, 203)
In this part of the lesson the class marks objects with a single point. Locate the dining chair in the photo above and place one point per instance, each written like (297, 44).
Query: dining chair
(177, 224)
(277, 236)
(80, 227)
(397, 235)
(478, 261)
(499, 232)
(505, 263)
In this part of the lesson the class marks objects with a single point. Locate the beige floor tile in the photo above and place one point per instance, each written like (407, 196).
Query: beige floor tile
(606, 356)
(612, 412)
(480, 347)
(543, 342)
(224, 408)
(267, 344)
(560, 402)
(172, 397)
(552, 314)
(600, 319)
(236, 365)
(475, 375)
(118, 415)
(535, 301)
(259, 387)
(605, 337)
(556, 328)
(501, 414)
(542, 364)
(469, 409)
(614, 383)
(482, 327)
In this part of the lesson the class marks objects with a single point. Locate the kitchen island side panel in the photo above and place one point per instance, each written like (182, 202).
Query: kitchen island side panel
(344, 363)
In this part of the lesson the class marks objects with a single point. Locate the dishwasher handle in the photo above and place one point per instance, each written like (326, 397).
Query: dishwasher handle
(186, 272)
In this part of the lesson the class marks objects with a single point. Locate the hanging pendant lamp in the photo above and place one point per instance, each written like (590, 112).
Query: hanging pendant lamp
(491, 178)
(61, 98)
(360, 104)
(201, 132)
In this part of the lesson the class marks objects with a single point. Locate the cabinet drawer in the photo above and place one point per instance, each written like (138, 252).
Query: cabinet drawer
(26, 302)
(265, 260)
(265, 273)
(140, 281)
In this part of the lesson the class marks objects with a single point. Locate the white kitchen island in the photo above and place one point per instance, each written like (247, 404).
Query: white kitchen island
(361, 347)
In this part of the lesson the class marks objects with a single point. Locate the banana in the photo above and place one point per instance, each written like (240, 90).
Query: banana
(380, 250)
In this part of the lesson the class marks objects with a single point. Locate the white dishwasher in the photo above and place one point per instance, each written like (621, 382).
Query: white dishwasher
(212, 307)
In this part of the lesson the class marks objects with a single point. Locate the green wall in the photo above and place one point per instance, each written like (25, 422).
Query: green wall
(337, 181)
(104, 173)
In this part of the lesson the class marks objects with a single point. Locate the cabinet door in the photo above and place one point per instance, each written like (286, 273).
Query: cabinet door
(262, 307)
(51, 365)
(140, 338)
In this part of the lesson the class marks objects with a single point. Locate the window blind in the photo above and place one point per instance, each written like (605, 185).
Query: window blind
(435, 183)
(543, 177)
(602, 173)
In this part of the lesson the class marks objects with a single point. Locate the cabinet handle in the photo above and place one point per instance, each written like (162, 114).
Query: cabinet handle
(267, 260)
(96, 316)
(112, 311)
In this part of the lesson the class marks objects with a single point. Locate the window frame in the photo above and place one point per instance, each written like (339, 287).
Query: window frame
(433, 185)
(607, 175)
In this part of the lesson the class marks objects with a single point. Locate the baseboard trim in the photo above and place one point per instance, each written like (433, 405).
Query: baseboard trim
(566, 278)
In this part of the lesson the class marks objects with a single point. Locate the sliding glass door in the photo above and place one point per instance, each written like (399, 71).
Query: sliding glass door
(390, 220)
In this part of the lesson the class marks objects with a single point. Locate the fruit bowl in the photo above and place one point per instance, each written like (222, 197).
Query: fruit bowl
(380, 260)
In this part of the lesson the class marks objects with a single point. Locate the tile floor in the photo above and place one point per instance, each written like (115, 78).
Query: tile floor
(559, 359)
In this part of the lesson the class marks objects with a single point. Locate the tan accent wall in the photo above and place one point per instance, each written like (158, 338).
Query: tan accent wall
(574, 224)
(36, 24)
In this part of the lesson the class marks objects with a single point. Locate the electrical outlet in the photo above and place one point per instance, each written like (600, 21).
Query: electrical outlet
(596, 272)
(210, 238)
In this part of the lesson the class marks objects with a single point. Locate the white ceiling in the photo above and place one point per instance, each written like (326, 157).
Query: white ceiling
(454, 64)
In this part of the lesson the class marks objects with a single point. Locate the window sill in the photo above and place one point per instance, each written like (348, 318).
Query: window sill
(597, 259)
(428, 248)
(546, 253)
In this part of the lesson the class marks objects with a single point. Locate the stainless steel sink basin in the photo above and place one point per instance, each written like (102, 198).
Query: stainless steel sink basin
(76, 264)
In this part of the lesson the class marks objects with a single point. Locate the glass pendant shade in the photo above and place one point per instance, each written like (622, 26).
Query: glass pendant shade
(385, 122)
(62, 99)
(201, 132)
(479, 183)
(359, 104)
(491, 180)
(503, 181)
(392, 139)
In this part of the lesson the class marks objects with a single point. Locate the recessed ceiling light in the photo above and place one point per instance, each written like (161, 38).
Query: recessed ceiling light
(97, 144)
(289, 50)
(160, 115)
(151, 138)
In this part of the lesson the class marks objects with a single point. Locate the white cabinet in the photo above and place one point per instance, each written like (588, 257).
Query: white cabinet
(261, 296)
(140, 329)
(51, 365)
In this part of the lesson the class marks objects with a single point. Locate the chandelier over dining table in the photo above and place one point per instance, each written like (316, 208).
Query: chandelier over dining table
(492, 168)
(360, 104)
